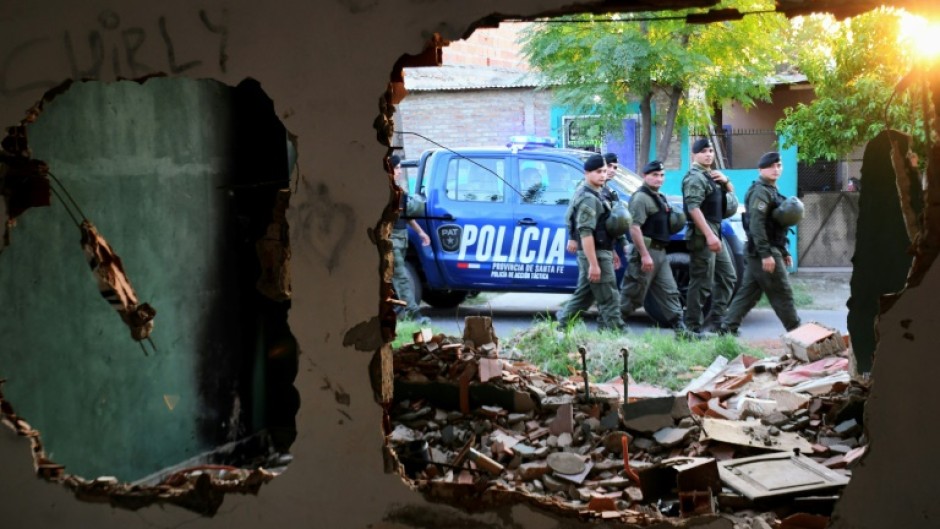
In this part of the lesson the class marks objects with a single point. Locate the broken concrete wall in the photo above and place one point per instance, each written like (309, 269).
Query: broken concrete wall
(325, 65)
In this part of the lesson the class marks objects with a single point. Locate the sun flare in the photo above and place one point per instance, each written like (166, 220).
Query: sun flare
(921, 36)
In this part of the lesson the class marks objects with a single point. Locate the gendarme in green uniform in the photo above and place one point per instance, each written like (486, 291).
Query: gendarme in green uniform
(710, 272)
(767, 255)
(588, 210)
(650, 212)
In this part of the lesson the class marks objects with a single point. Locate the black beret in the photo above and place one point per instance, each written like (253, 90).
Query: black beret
(610, 157)
(700, 144)
(768, 159)
(653, 166)
(594, 162)
(394, 160)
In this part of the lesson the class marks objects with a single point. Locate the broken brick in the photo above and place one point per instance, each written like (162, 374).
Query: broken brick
(812, 341)
(564, 420)
(533, 470)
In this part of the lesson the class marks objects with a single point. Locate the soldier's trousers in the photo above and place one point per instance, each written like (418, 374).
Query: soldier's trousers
(709, 273)
(756, 281)
(604, 293)
(400, 280)
(659, 283)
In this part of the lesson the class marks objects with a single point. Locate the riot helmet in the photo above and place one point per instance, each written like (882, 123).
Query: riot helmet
(789, 212)
(677, 221)
(619, 220)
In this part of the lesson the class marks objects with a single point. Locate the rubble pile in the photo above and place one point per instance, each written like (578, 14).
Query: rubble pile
(778, 434)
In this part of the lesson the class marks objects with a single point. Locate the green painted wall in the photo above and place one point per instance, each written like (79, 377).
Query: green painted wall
(151, 165)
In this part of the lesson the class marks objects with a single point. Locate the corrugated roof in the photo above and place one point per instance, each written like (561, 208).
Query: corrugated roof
(466, 77)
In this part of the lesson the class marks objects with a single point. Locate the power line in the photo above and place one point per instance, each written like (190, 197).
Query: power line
(715, 15)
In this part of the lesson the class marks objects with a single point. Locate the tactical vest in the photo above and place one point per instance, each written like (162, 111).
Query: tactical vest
(776, 234)
(602, 241)
(656, 226)
(713, 207)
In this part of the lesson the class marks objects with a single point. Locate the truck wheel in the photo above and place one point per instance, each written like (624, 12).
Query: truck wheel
(679, 264)
(444, 299)
(653, 311)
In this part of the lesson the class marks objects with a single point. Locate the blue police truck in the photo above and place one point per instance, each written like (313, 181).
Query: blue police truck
(496, 218)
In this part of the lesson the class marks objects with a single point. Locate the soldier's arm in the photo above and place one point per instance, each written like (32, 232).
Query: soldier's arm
(425, 240)
(698, 219)
(594, 268)
(693, 194)
(722, 180)
(586, 214)
(638, 210)
(572, 245)
(759, 211)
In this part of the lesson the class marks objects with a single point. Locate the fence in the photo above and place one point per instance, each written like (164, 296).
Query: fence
(740, 148)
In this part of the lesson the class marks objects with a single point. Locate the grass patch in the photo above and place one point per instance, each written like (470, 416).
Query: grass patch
(802, 297)
(655, 358)
(405, 330)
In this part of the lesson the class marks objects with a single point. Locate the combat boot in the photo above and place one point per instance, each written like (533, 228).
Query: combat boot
(682, 332)
(724, 330)
(712, 323)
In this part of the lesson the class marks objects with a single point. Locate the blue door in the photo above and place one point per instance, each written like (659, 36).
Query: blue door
(540, 233)
(472, 226)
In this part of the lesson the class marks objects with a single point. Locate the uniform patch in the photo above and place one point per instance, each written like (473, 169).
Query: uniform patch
(761, 206)
(586, 216)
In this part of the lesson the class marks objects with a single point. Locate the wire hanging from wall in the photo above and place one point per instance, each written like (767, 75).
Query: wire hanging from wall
(108, 270)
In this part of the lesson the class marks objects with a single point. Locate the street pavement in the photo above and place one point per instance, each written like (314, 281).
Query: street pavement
(513, 312)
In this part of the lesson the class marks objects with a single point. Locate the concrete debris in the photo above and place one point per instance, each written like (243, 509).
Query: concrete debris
(811, 341)
(519, 431)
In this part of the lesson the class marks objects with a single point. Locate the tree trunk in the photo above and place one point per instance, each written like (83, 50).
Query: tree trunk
(669, 124)
(646, 134)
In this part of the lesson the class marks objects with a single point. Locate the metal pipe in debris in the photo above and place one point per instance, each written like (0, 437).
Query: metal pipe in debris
(626, 373)
(584, 373)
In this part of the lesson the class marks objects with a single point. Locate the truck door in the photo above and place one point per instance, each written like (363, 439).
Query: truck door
(539, 231)
(472, 216)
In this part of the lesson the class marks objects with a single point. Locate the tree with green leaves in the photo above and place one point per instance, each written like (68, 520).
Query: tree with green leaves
(854, 66)
(600, 64)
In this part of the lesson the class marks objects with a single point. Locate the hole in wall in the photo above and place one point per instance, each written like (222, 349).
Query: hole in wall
(187, 181)
(443, 429)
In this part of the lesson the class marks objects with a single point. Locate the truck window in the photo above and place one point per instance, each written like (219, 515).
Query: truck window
(473, 180)
(548, 182)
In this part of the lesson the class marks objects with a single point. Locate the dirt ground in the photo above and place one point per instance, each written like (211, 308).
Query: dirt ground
(829, 289)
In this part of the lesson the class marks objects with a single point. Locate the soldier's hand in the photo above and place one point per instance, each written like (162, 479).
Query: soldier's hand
(714, 244)
(721, 180)
(572, 246)
(594, 273)
(425, 240)
(646, 263)
(768, 264)
(616, 261)
(788, 260)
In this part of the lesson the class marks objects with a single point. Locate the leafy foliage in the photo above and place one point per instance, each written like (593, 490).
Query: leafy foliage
(854, 67)
(600, 64)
